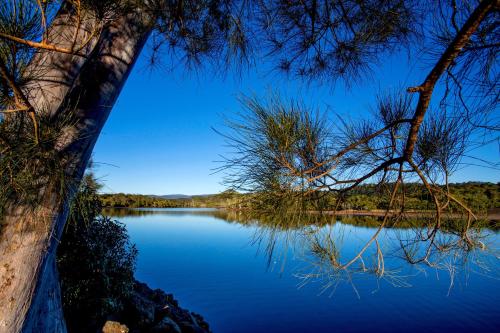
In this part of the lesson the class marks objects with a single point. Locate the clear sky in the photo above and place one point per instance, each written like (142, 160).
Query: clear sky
(159, 137)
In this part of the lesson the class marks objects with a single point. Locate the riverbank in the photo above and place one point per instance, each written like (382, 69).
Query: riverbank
(492, 214)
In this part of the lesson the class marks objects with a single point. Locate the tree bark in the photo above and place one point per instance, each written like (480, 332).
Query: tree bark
(55, 72)
(29, 288)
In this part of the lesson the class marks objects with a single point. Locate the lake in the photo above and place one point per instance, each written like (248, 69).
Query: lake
(247, 277)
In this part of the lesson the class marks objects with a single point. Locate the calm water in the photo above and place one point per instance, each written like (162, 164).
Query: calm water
(223, 271)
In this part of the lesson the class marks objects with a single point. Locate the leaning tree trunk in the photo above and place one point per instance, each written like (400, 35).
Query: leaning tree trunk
(29, 287)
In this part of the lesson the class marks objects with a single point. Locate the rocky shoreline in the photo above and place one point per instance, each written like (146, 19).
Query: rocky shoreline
(154, 311)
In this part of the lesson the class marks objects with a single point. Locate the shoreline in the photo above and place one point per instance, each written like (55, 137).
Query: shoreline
(492, 215)
(154, 311)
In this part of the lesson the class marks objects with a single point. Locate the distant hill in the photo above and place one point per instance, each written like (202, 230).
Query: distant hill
(181, 196)
(173, 196)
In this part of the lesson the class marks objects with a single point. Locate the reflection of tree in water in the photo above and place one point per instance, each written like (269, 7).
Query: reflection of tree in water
(117, 212)
(389, 248)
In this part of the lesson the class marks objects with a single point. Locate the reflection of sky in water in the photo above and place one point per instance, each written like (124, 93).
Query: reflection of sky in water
(220, 270)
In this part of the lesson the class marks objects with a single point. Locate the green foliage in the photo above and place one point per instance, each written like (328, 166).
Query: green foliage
(96, 262)
(227, 198)
(135, 201)
(20, 19)
(121, 200)
(27, 168)
(277, 147)
(478, 196)
(200, 32)
(336, 39)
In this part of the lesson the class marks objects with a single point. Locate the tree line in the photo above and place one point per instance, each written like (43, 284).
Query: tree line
(482, 196)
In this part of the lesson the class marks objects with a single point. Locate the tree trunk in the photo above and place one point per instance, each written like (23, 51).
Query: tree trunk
(56, 72)
(29, 288)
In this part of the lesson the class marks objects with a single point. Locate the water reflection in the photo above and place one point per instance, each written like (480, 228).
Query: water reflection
(332, 252)
(250, 274)
(126, 212)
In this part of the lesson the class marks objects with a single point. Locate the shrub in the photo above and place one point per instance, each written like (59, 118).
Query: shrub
(96, 262)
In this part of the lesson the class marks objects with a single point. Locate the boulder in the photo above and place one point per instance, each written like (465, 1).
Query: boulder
(114, 327)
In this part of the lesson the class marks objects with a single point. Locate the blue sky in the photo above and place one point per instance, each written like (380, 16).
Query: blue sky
(159, 137)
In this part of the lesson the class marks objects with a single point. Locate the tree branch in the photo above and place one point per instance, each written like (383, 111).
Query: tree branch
(452, 51)
(42, 45)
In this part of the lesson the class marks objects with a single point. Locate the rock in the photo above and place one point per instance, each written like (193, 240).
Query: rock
(163, 311)
(148, 310)
(141, 310)
(114, 327)
(200, 321)
(166, 325)
(190, 327)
